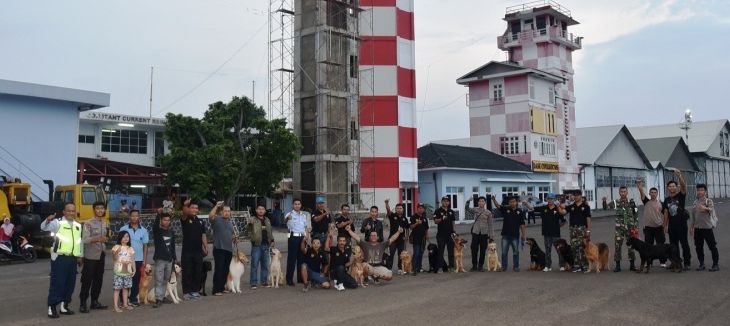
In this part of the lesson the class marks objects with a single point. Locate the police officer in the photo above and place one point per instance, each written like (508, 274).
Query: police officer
(65, 255)
(627, 219)
(444, 217)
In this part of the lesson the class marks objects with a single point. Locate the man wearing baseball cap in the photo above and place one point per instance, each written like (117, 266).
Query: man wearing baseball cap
(444, 217)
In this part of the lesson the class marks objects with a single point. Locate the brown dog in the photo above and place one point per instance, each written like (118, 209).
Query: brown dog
(406, 262)
(493, 263)
(276, 277)
(596, 254)
(358, 269)
(458, 252)
(144, 286)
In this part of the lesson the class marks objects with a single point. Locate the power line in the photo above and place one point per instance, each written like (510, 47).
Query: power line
(214, 71)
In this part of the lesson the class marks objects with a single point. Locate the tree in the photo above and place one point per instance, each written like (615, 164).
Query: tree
(232, 148)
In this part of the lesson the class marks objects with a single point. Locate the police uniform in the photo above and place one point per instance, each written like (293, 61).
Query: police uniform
(627, 218)
(67, 249)
(443, 236)
(578, 224)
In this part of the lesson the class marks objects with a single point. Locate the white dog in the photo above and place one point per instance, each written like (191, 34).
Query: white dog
(171, 289)
(235, 272)
(276, 277)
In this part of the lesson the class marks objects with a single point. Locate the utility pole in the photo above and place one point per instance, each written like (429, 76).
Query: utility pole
(152, 72)
(253, 91)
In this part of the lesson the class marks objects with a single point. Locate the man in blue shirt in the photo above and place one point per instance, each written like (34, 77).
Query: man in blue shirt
(139, 237)
(298, 222)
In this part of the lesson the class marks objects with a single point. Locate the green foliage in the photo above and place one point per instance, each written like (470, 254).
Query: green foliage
(233, 148)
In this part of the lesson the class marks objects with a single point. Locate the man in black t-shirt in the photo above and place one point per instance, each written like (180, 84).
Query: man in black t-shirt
(676, 216)
(315, 265)
(194, 248)
(444, 217)
(419, 237)
(340, 261)
(397, 220)
(513, 231)
(321, 219)
(372, 224)
(344, 222)
(552, 221)
(580, 228)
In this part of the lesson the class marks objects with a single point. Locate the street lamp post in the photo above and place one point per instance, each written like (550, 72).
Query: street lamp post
(686, 124)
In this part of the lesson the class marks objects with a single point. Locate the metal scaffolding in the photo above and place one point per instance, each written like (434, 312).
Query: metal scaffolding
(281, 59)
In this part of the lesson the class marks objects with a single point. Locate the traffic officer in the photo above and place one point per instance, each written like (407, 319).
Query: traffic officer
(65, 255)
(627, 219)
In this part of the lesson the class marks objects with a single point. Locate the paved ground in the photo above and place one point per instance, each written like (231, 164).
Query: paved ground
(526, 298)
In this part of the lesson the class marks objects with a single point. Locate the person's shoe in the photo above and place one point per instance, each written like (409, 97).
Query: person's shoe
(83, 308)
(157, 304)
(663, 265)
(134, 304)
(618, 267)
(220, 294)
(167, 301)
(195, 295)
(52, 312)
(562, 269)
(714, 268)
(686, 268)
(65, 310)
(400, 272)
(701, 268)
(577, 269)
(305, 288)
(631, 266)
(516, 269)
(97, 306)
(545, 269)
(187, 297)
(289, 283)
(504, 269)
(340, 287)
(473, 269)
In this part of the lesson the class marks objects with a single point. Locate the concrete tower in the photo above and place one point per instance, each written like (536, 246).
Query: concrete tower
(524, 108)
(388, 163)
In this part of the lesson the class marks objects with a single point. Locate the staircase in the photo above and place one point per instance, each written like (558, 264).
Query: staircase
(12, 167)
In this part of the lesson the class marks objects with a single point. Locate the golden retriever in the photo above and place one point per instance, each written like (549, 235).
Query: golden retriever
(144, 286)
(458, 253)
(493, 263)
(406, 262)
(276, 277)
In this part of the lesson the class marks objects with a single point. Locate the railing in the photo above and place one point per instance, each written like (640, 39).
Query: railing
(39, 189)
(552, 31)
(536, 4)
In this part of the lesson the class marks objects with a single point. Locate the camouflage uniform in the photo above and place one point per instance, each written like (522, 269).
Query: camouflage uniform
(577, 233)
(627, 218)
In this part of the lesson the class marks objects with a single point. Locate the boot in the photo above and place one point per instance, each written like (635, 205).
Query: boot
(83, 308)
(631, 266)
(618, 267)
(97, 306)
(65, 310)
(52, 312)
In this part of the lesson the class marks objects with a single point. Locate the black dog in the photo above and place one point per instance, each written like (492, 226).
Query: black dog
(207, 267)
(537, 256)
(432, 257)
(564, 251)
(650, 252)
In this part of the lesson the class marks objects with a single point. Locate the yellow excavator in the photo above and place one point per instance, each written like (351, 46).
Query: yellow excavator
(16, 202)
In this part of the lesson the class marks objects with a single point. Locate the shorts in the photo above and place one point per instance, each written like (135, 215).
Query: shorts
(315, 277)
(122, 282)
(379, 271)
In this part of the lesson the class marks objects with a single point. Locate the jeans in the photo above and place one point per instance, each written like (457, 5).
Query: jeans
(192, 270)
(92, 276)
(294, 258)
(395, 249)
(163, 272)
(677, 236)
(63, 280)
(655, 235)
(549, 241)
(417, 257)
(507, 242)
(478, 250)
(260, 255)
(445, 242)
(702, 236)
(134, 292)
(222, 260)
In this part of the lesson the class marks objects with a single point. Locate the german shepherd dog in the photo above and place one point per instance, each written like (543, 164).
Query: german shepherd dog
(563, 249)
(537, 256)
(596, 254)
(649, 252)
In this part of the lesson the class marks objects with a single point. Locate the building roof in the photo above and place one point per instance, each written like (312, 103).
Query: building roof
(434, 156)
(495, 69)
(701, 135)
(85, 100)
(664, 149)
(593, 141)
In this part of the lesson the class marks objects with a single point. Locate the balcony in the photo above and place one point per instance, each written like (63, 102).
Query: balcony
(551, 33)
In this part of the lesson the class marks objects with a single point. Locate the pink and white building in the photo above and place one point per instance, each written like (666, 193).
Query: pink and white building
(524, 108)
(388, 147)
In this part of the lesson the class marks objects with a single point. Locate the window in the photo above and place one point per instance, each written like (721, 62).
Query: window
(86, 139)
(509, 145)
(497, 93)
(542, 193)
(407, 200)
(88, 196)
(68, 197)
(532, 89)
(530, 191)
(589, 195)
(510, 191)
(551, 95)
(454, 194)
(547, 146)
(124, 141)
(353, 66)
(354, 133)
(475, 196)
(550, 123)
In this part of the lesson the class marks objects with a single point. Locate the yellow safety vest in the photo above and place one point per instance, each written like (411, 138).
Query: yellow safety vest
(68, 239)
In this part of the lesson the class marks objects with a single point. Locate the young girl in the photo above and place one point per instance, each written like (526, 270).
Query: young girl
(124, 269)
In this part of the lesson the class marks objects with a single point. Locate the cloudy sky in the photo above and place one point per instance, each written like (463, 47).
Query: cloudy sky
(642, 61)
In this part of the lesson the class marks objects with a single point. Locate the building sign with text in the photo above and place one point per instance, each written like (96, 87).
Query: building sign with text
(544, 166)
(121, 118)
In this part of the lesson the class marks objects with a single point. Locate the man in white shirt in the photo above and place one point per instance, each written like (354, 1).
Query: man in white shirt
(298, 222)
